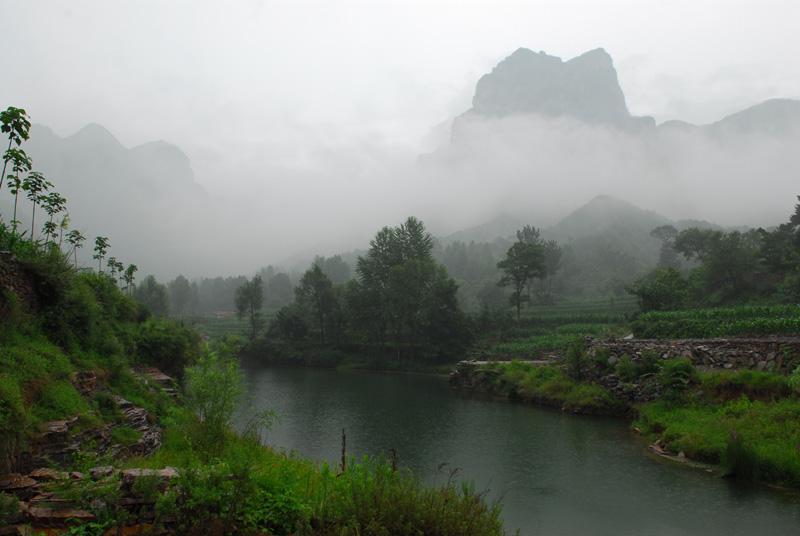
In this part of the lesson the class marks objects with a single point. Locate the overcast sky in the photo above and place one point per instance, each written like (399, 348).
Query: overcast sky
(306, 85)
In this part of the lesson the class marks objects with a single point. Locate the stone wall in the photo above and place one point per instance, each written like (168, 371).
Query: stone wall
(14, 278)
(772, 353)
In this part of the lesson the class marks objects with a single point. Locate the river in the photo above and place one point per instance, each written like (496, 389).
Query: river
(558, 474)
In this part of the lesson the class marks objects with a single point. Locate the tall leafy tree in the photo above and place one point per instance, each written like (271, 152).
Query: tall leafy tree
(154, 295)
(53, 204)
(694, 242)
(315, 292)
(396, 283)
(668, 256)
(249, 298)
(15, 123)
(335, 268)
(75, 239)
(128, 277)
(20, 164)
(180, 292)
(729, 257)
(524, 261)
(100, 250)
(35, 185)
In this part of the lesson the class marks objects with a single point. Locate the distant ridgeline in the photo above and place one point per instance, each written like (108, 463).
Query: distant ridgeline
(586, 89)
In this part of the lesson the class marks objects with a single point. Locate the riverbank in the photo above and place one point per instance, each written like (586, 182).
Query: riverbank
(747, 422)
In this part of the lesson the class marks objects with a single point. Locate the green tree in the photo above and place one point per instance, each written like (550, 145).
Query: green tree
(729, 257)
(114, 267)
(15, 123)
(128, 277)
(524, 261)
(668, 256)
(397, 288)
(100, 250)
(335, 268)
(35, 185)
(315, 292)
(667, 290)
(694, 242)
(289, 323)
(180, 293)
(75, 239)
(249, 298)
(154, 295)
(280, 290)
(54, 203)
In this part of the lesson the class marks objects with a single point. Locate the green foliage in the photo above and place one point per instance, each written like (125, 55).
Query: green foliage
(213, 390)
(372, 498)
(58, 400)
(167, 344)
(667, 291)
(315, 292)
(125, 435)
(524, 261)
(9, 507)
(106, 405)
(719, 322)
(755, 385)
(676, 375)
(544, 384)
(403, 297)
(630, 370)
(289, 323)
(600, 360)
(249, 298)
(764, 445)
(576, 359)
(153, 295)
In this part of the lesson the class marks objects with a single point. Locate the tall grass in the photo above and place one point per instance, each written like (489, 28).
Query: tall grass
(764, 444)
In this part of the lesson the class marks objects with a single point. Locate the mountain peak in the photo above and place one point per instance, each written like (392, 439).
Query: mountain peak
(94, 133)
(527, 82)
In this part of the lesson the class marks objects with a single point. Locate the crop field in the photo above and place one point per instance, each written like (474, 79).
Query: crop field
(720, 322)
(604, 305)
(536, 336)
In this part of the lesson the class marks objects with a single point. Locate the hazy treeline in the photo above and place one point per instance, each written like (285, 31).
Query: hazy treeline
(729, 267)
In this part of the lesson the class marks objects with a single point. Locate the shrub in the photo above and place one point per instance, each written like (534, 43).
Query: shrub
(214, 389)
(676, 375)
(168, 345)
(577, 360)
(600, 359)
(627, 369)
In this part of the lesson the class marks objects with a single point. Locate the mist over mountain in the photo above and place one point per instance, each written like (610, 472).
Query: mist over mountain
(585, 88)
(543, 137)
(144, 199)
(556, 134)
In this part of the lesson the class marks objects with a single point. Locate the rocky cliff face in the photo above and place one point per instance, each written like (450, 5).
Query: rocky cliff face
(585, 88)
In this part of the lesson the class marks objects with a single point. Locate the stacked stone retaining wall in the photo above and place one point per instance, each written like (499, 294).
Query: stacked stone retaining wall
(15, 279)
(773, 353)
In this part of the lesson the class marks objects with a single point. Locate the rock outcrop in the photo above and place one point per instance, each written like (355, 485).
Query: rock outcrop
(585, 88)
(42, 508)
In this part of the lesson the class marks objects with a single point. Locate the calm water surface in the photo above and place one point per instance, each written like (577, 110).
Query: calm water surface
(559, 474)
